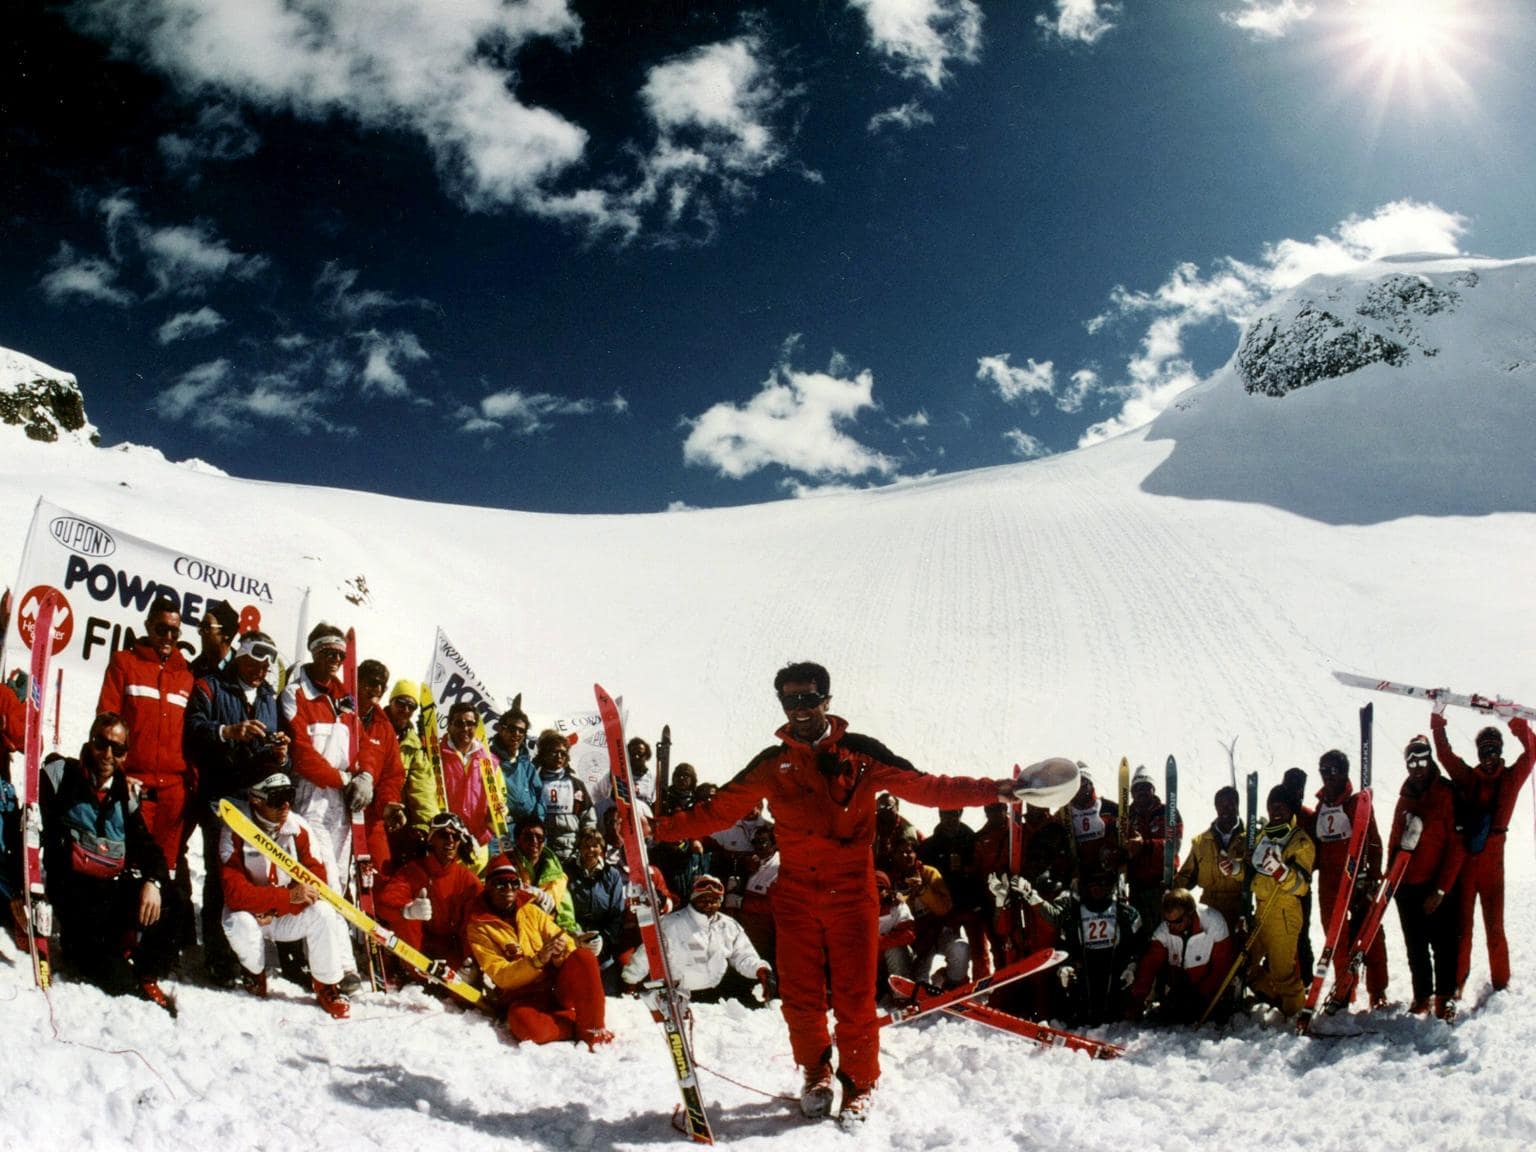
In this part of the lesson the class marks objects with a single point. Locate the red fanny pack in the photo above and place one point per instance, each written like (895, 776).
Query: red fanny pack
(101, 859)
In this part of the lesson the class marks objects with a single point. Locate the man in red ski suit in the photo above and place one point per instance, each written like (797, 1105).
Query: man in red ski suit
(149, 685)
(1338, 807)
(1485, 800)
(821, 783)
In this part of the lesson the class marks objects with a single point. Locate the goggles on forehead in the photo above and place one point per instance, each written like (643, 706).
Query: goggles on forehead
(255, 648)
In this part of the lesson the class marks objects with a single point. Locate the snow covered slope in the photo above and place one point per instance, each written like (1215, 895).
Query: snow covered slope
(1162, 592)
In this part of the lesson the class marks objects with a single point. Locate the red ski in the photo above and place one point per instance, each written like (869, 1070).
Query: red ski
(39, 913)
(659, 992)
(1339, 922)
(1041, 1034)
(922, 999)
(1344, 991)
(362, 860)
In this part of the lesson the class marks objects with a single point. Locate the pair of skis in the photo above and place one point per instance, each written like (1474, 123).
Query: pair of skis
(1338, 923)
(659, 992)
(961, 1001)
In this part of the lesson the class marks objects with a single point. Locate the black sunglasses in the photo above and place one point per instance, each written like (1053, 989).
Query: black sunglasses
(505, 882)
(790, 700)
(276, 797)
(102, 744)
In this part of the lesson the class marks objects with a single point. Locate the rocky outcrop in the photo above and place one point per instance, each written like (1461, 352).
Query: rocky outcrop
(44, 402)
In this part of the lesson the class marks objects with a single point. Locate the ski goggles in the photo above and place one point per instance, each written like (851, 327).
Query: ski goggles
(792, 700)
(449, 822)
(1418, 753)
(256, 649)
(705, 885)
(277, 796)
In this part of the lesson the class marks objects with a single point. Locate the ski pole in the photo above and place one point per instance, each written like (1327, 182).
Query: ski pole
(58, 707)
(1237, 964)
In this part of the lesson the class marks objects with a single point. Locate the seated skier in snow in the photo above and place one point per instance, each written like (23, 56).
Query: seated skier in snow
(118, 915)
(548, 985)
(897, 932)
(261, 902)
(599, 899)
(541, 869)
(1189, 956)
(708, 954)
(427, 900)
(929, 899)
(1101, 935)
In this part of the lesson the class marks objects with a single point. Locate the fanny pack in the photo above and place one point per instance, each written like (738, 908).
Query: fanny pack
(92, 856)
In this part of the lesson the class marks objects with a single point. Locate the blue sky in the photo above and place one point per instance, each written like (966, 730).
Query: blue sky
(585, 257)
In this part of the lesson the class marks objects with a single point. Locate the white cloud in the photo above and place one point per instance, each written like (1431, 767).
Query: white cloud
(904, 116)
(188, 257)
(188, 325)
(1025, 446)
(220, 134)
(1268, 19)
(918, 419)
(1235, 291)
(193, 390)
(438, 71)
(1085, 382)
(794, 423)
(336, 287)
(89, 278)
(617, 404)
(923, 37)
(211, 398)
(524, 412)
(1081, 20)
(1012, 382)
(712, 109)
(384, 353)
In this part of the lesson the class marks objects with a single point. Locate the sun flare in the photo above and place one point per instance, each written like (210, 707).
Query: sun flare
(1414, 53)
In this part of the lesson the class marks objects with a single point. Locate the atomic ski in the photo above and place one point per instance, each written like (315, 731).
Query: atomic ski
(1338, 923)
(39, 912)
(658, 992)
(439, 971)
(1344, 990)
(924, 998)
(1487, 704)
(1041, 1034)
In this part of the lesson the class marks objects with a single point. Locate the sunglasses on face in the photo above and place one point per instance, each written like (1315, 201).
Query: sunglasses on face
(792, 700)
(171, 630)
(505, 882)
(102, 744)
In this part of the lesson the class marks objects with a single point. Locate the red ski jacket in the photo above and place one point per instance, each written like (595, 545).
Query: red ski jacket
(1493, 792)
(1440, 851)
(823, 801)
(151, 697)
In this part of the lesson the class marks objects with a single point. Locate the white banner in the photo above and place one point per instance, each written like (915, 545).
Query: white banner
(107, 580)
(452, 681)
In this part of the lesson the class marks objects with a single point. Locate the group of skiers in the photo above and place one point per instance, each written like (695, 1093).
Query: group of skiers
(799, 879)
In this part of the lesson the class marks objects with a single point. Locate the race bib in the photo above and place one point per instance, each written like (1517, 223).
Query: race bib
(1087, 825)
(1332, 824)
(1099, 930)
